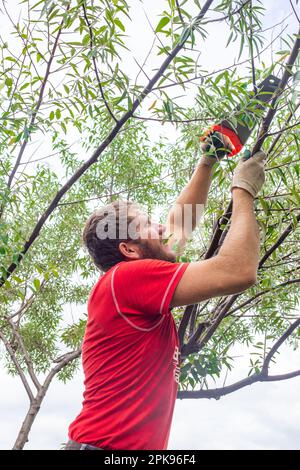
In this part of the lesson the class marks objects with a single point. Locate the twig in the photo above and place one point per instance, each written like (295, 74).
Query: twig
(294, 10)
(223, 18)
(251, 53)
(179, 121)
(179, 11)
(95, 62)
(201, 77)
(283, 129)
(259, 294)
(280, 240)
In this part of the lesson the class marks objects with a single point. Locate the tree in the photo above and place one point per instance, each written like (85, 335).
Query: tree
(64, 89)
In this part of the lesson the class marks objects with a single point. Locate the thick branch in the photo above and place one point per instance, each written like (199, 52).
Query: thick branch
(217, 393)
(284, 129)
(184, 322)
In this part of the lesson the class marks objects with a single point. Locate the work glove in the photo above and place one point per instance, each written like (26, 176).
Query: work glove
(215, 147)
(250, 173)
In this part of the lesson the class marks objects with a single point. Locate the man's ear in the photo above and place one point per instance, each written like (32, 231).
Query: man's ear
(130, 250)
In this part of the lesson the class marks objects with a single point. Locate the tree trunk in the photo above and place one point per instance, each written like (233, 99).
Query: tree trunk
(28, 421)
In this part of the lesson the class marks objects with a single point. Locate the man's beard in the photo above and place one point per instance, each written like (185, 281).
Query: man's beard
(148, 251)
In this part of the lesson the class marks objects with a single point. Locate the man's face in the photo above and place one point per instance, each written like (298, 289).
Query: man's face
(151, 239)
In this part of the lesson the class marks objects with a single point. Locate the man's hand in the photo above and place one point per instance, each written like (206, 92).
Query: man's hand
(250, 173)
(214, 153)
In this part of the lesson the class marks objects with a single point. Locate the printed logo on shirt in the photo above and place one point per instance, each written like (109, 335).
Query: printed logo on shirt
(176, 364)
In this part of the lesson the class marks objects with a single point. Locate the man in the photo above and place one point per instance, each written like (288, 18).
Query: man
(130, 350)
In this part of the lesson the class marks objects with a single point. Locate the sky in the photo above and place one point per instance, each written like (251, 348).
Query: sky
(263, 416)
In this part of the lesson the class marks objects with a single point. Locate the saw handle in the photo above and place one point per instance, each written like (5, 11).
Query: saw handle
(215, 144)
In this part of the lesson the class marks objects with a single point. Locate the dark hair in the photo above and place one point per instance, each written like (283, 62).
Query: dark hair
(105, 252)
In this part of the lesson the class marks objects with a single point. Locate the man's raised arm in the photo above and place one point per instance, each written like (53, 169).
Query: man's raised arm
(234, 268)
(184, 215)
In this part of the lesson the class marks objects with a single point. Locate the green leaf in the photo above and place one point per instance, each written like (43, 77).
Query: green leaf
(86, 40)
(37, 284)
(163, 22)
(119, 24)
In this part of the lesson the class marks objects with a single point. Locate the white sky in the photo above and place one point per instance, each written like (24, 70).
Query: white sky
(263, 416)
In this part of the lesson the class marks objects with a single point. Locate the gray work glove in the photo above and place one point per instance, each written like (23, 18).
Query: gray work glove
(250, 173)
(210, 157)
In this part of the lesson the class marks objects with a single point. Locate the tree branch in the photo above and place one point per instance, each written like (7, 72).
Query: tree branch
(283, 129)
(27, 358)
(201, 77)
(184, 322)
(217, 393)
(95, 62)
(39, 102)
(295, 13)
(17, 366)
(259, 294)
(277, 345)
(63, 361)
(263, 376)
(179, 11)
(280, 240)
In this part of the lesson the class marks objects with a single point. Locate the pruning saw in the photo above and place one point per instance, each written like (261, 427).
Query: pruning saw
(239, 133)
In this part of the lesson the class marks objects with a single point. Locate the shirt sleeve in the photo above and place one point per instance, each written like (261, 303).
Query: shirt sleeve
(145, 286)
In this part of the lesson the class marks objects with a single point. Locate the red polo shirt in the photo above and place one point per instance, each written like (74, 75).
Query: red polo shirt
(130, 358)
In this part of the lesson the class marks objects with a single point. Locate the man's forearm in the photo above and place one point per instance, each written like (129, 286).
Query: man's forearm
(189, 203)
(241, 245)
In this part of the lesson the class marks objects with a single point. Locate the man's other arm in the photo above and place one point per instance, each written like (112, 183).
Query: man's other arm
(234, 268)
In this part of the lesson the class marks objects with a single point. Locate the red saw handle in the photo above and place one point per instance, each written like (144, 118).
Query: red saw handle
(235, 141)
(232, 136)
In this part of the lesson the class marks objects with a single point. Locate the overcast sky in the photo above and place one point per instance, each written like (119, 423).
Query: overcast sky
(263, 416)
